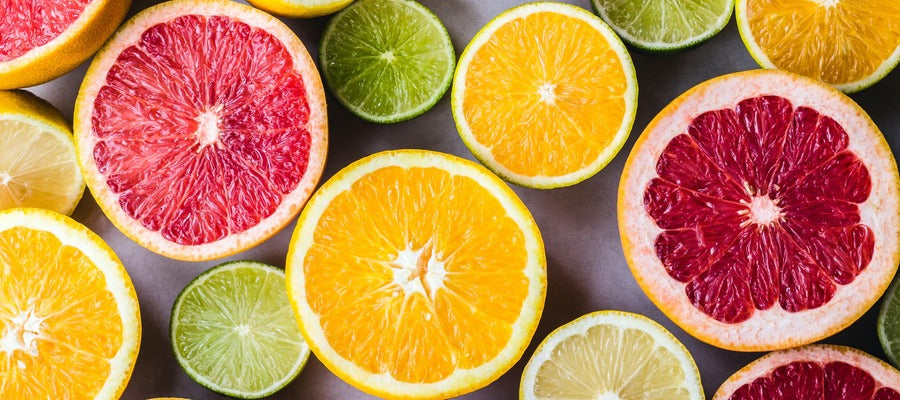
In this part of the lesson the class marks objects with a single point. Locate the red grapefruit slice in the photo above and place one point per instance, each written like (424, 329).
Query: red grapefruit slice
(813, 372)
(759, 211)
(201, 128)
(43, 39)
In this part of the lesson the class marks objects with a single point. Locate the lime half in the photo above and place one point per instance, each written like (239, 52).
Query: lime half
(889, 324)
(387, 60)
(665, 26)
(234, 332)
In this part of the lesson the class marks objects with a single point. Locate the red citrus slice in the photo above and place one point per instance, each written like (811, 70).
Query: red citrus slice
(201, 128)
(759, 211)
(43, 39)
(813, 372)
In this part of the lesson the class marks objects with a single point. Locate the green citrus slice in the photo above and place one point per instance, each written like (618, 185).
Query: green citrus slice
(665, 26)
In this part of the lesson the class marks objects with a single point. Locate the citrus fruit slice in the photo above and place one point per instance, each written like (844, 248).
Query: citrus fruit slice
(233, 331)
(759, 211)
(610, 355)
(665, 26)
(387, 60)
(416, 274)
(201, 128)
(301, 8)
(889, 324)
(44, 39)
(70, 327)
(37, 155)
(545, 95)
(850, 44)
(813, 372)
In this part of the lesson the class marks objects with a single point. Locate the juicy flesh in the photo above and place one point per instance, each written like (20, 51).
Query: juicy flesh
(664, 22)
(27, 24)
(836, 41)
(59, 325)
(201, 128)
(36, 168)
(608, 362)
(759, 207)
(545, 94)
(834, 380)
(415, 273)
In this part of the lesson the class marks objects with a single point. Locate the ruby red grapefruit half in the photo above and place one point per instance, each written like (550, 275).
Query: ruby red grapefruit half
(759, 211)
(813, 372)
(43, 39)
(201, 128)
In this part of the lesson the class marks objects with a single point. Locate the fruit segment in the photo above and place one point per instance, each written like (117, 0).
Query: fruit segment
(28, 24)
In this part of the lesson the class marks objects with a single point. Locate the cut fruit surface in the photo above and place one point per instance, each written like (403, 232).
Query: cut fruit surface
(301, 8)
(44, 39)
(387, 60)
(889, 324)
(665, 26)
(813, 372)
(850, 44)
(545, 95)
(611, 355)
(37, 155)
(201, 128)
(233, 331)
(416, 274)
(759, 211)
(70, 326)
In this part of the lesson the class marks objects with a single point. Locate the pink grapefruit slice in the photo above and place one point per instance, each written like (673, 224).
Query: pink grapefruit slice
(813, 372)
(43, 39)
(201, 128)
(759, 211)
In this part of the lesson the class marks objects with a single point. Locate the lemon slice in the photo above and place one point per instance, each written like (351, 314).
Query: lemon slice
(37, 156)
(611, 355)
(301, 8)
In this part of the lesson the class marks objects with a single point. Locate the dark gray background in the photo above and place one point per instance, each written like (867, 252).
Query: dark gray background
(586, 267)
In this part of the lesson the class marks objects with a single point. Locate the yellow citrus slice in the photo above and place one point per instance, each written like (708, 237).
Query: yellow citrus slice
(545, 95)
(37, 155)
(850, 44)
(416, 275)
(70, 326)
(45, 39)
(611, 355)
(301, 8)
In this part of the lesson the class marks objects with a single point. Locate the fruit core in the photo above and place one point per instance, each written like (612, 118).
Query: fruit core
(813, 380)
(758, 207)
(418, 271)
(28, 24)
(609, 396)
(5, 178)
(547, 92)
(827, 3)
(21, 334)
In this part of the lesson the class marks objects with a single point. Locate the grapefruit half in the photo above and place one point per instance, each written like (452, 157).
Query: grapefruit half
(759, 211)
(813, 372)
(201, 128)
(44, 39)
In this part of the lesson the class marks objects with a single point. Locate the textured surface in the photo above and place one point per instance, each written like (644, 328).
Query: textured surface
(586, 267)
(29, 24)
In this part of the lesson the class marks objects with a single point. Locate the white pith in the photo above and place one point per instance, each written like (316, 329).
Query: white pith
(763, 210)
(418, 271)
(95, 78)
(208, 131)
(774, 328)
(22, 333)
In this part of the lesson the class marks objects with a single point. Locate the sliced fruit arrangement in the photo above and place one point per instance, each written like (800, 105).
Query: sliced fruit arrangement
(545, 95)
(850, 44)
(43, 39)
(759, 211)
(889, 324)
(611, 355)
(813, 372)
(387, 61)
(233, 331)
(70, 327)
(301, 8)
(201, 128)
(37, 155)
(417, 275)
(665, 26)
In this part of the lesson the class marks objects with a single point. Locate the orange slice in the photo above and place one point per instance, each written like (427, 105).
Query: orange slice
(69, 321)
(545, 95)
(417, 274)
(850, 44)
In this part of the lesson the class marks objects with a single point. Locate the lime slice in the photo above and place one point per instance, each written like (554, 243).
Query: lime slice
(387, 60)
(665, 26)
(233, 330)
(889, 324)
(611, 355)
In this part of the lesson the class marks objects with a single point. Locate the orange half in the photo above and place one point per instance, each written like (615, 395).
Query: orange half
(416, 274)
